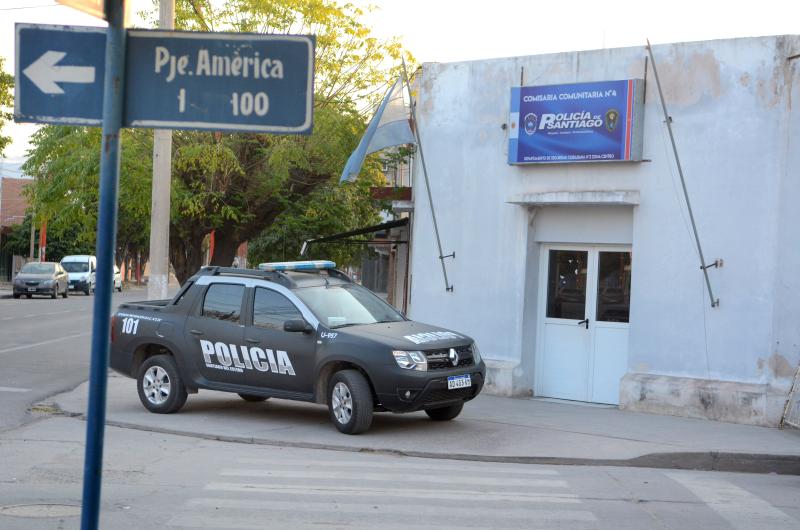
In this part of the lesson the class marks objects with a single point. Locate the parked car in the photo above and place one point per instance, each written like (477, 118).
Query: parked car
(44, 277)
(298, 330)
(117, 279)
(81, 269)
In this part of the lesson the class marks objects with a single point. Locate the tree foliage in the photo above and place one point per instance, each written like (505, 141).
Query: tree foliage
(238, 185)
(18, 242)
(328, 210)
(6, 102)
(65, 162)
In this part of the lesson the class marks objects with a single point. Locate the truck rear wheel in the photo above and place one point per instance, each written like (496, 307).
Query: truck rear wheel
(160, 387)
(445, 413)
(350, 402)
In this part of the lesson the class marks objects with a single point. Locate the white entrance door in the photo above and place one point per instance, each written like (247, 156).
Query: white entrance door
(582, 348)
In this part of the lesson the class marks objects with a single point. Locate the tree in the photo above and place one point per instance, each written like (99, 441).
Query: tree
(6, 101)
(238, 184)
(65, 193)
(235, 184)
(67, 244)
(328, 210)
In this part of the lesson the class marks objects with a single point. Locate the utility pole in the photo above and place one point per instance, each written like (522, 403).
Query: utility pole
(33, 235)
(162, 177)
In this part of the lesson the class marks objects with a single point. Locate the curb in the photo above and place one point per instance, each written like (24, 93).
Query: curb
(694, 461)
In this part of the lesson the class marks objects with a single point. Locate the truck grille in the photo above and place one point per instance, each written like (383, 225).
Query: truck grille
(440, 359)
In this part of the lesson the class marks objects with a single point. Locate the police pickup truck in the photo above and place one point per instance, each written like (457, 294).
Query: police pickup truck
(293, 330)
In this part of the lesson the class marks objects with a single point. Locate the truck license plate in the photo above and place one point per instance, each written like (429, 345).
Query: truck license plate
(31, 289)
(458, 381)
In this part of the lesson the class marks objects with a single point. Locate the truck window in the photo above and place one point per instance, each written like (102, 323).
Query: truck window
(271, 309)
(223, 301)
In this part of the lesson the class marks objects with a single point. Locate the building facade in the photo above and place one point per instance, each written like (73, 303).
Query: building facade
(581, 281)
(12, 212)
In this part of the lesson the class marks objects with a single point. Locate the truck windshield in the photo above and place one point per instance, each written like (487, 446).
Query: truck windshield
(75, 266)
(337, 306)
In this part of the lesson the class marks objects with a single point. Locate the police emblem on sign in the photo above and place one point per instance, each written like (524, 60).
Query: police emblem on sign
(530, 123)
(612, 119)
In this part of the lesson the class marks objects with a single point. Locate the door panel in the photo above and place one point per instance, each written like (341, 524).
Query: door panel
(610, 363)
(283, 360)
(565, 366)
(214, 334)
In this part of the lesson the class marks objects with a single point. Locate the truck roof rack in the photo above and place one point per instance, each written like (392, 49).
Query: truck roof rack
(278, 277)
(273, 276)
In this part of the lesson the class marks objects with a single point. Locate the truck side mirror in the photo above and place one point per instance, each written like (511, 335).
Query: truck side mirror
(297, 325)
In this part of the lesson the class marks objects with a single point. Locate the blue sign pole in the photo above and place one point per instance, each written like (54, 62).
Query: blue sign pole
(106, 237)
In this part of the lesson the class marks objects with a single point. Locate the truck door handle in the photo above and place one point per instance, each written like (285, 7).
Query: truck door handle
(253, 341)
(195, 332)
(586, 321)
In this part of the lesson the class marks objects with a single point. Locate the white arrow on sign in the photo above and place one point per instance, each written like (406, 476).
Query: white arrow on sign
(44, 73)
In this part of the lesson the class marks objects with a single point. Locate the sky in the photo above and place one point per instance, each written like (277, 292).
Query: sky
(459, 30)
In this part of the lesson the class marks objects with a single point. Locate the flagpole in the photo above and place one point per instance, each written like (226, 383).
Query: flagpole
(447, 285)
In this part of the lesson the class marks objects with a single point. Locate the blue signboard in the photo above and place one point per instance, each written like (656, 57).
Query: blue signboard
(582, 122)
(59, 74)
(174, 80)
(220, 81)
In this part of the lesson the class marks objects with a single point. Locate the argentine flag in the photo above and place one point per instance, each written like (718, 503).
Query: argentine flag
(389, 127)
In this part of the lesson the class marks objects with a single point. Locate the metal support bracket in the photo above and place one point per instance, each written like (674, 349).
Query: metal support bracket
(716, 264)
(453, 255)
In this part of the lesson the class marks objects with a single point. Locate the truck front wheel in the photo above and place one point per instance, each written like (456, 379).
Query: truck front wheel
(161, 389)
(350, 402)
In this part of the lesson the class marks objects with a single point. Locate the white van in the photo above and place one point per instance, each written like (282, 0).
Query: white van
(81, 270)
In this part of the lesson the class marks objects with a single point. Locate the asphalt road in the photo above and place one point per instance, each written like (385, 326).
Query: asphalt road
(44, 349)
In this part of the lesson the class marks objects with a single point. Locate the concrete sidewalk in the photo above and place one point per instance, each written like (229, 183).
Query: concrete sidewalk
(490, 429)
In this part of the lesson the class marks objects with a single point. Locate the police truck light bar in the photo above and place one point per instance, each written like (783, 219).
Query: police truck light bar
(297, 265)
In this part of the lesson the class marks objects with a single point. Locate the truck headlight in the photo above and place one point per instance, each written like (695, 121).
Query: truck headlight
(411, 360)
(476, 353)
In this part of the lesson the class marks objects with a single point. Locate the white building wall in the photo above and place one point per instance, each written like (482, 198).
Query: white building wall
(737, 137)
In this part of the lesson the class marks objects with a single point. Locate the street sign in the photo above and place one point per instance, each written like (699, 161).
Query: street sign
(174, 80)
(220, 81)
(59, 74)
(96, 8)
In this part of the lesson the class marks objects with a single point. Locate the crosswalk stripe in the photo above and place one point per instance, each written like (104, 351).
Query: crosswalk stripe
(739, 507)
(299, 521)
(459, 478)
(488, 468)
(415, 493)
(381, 509)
